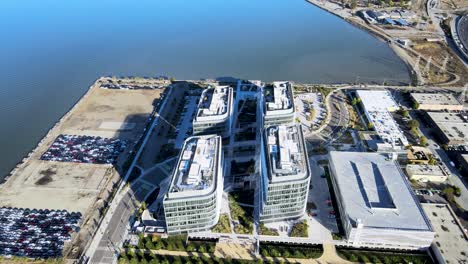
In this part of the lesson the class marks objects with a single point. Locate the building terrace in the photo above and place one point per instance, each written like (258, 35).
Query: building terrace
(196, 167)
(214, 113)
(278, 103)
(286, 158)
(214, 102)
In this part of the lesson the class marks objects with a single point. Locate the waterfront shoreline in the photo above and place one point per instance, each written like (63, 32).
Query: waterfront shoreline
(49, 132)
(415, 77)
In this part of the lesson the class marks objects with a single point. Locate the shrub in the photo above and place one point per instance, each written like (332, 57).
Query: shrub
(300, 229)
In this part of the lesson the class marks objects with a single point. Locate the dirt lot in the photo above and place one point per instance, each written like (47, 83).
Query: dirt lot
(442, 55)
(71, 186)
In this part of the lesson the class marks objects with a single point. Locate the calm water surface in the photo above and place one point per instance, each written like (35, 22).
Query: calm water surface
(51, 51)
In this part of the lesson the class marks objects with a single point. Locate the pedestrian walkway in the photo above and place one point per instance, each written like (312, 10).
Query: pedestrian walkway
(236, 252)
(330, 256)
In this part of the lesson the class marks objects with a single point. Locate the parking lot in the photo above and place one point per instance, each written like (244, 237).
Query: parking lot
(184, 127)
(82, 187)
(35, 233)
(323, 215)
(310, 110)
(84, 149)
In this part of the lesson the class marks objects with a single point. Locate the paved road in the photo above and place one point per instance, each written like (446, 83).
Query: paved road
(118, 225)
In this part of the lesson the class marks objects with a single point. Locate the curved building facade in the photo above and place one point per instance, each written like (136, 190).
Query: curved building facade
(285, 174)
(193, 200)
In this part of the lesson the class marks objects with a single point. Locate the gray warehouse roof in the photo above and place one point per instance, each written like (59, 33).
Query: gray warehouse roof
(374, 190)
(453, 125)
(435, 98)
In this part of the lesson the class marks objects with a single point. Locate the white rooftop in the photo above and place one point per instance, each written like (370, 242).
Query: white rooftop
(279, 97)
(196, 165)
(374, 190)
(424, 169)
(377, 100)
(378, 105)
(435, 98)
(285, 152)
(214, 102)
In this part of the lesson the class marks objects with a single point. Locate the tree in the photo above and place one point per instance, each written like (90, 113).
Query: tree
(415, 105)
(413, 124)
(149, 244)
(190, 247)
(275, 253)
(201, 249)
(354, 101)
(370, 126)
(423, 141)
(405, 113)
(158, 245)
(448, 192)
(353, 4)
(353, 258)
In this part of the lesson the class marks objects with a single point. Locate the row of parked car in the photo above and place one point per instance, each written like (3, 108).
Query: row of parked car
(84, 149)
(131, 87)
(35, 233)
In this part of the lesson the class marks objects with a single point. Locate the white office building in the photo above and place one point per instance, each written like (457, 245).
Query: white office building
(376, 204)
(214, 113)
(193, 200)
(378, 106)
(285, 174)
(278, 107)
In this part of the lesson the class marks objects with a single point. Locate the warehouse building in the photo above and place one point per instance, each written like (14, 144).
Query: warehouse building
(193, 200)
(285, 174)
(214, 113)
(436, 101)
(278, 105)
(378, 106)
(451, 128)
(426, 173)
(376, 205)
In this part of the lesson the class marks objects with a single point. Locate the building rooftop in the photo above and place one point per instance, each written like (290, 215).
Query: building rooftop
(453, 125)
(278, 96)
(424, 169)
(197, 164)
(378, 105)
(214, 101)
(286, 154)
(375, 192)
(450, 240)
(419, 153)
(435, 98)
(377, 100)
